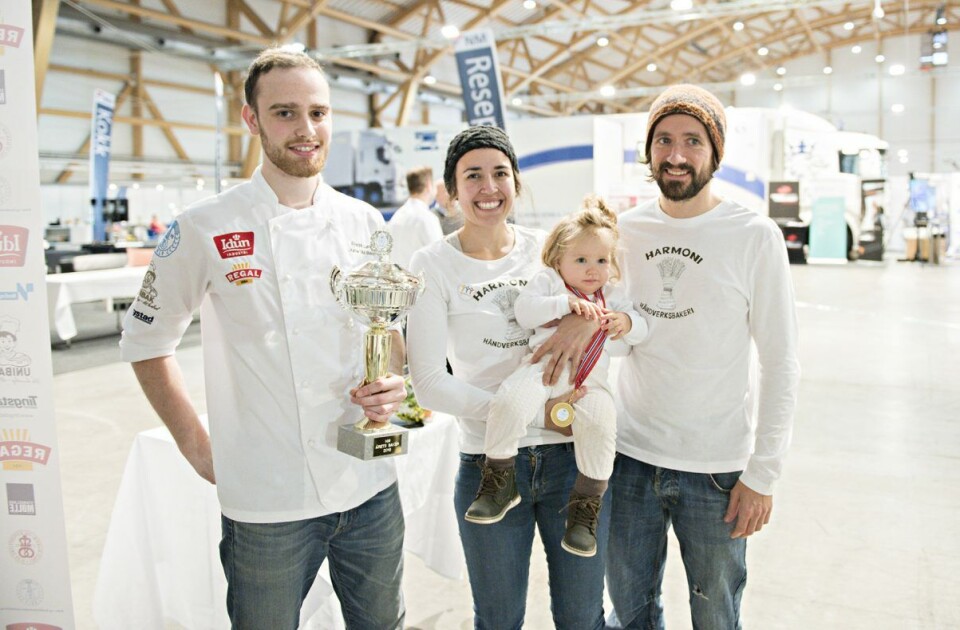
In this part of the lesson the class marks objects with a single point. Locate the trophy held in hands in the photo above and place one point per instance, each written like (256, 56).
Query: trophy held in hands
(378, 294)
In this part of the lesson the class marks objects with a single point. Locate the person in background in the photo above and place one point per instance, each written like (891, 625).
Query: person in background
(156, 228)
(282, 365)
(466, 313)
(451, 220)
(712, 280)
(579, 276)
(413, 225)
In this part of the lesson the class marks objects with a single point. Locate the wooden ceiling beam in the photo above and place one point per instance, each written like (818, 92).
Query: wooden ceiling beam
(150, 122)
(67, 172)
(44, 27)
(196, 25)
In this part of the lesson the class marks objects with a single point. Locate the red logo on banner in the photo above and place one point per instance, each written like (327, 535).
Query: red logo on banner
(243, 274)
(13, 245)
(32, 626)
(234, 244)
(17, 453)
(10, 35)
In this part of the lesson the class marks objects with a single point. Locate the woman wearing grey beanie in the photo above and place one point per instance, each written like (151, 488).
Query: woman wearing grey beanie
(466, 315)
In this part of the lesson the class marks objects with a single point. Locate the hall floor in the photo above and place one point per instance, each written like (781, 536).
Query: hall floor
(866, 523)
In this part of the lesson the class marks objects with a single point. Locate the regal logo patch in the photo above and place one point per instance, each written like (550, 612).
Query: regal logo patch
(243, 274)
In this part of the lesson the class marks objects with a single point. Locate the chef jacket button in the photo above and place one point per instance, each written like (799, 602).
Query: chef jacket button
(350, 323)
(311, 442)
(287, 277)
(296, 331)
(275, 227)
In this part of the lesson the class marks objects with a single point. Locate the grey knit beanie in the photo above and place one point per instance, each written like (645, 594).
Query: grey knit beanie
(480, 137)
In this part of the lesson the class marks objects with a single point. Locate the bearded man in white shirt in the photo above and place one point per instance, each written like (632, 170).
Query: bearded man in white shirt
(414, 225)
(282, 365)
(712, 281)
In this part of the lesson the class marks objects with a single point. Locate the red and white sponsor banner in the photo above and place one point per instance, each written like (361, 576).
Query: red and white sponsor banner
(234, 244)
(34, 575)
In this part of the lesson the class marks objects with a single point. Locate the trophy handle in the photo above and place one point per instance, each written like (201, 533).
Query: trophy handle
(336, 283)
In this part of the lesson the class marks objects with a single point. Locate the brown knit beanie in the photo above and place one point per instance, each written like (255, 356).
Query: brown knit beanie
(479, 137)
(693, 101)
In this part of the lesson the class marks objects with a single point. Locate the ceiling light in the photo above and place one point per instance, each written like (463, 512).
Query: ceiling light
(136, 186)
(777, 87)
(517, 101)
(904, 159)
(896, 70)
(879, 58)
(293, 47)
(112, 187)
(608, 91)
(529, 5)
(781, 71)
(763, 51)
(856, 49)
(878, 12)
(738, 26)
(603, 41)
(848, 26)
(902, 152)
(159, 187)
(681, 5)
(450, 31)
(827, 70)
(651, 67)
(897, 108)
(941, 20)
(429, 79)
(748, 78)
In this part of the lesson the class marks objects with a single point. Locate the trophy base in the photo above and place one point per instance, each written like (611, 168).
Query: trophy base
(366, 445)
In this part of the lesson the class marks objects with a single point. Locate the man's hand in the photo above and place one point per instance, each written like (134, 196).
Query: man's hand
(616, 324)
(751, 510)
(197, 451)
(569, 397)
(380, 399)
(565, 346)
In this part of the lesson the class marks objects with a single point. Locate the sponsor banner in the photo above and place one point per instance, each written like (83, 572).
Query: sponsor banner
(103, 104)
(234, 244)
(479, 70)
(13, 245)
(20, 501)
(35, 591)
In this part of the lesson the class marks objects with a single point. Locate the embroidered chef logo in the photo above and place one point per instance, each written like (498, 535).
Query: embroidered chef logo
(13, 363)
(234, 244)
(13, 245)
(148, 294)
(170, 242)
(17, 452)
(30, 592)
(243, 274)
(25, 547)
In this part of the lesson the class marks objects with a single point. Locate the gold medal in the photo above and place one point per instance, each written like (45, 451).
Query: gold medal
(562, 414)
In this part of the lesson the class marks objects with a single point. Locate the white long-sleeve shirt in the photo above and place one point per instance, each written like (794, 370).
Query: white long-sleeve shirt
(280, 354)
(466, 314)
(412, 226)
(708, 286)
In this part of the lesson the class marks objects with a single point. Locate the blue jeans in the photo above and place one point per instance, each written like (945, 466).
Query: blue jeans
(498, 556)
(645, 501)
(271, 566)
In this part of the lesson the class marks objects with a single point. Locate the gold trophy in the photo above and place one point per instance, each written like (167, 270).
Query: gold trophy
(378, 294)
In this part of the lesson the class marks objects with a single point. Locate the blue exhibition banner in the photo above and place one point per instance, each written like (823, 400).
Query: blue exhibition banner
(479, 69)
(103, 105)
(828, 230)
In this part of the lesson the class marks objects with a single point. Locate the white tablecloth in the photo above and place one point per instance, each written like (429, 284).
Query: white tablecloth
(161, 561)
(66, 289)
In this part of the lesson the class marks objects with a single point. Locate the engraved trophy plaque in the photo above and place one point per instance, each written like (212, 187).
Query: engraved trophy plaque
(377, 294)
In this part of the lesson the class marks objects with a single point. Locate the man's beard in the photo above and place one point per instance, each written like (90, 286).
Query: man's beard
(678, 190)
(292, 165)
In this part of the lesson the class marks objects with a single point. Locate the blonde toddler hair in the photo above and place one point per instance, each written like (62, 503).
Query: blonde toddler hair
(593, 217)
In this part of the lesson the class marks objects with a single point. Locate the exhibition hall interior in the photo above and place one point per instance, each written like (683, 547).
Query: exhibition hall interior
(842, 127)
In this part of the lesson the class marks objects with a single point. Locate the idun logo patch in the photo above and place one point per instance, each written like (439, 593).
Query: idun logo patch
(243, 274)
(13, 245)
(234, 244)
